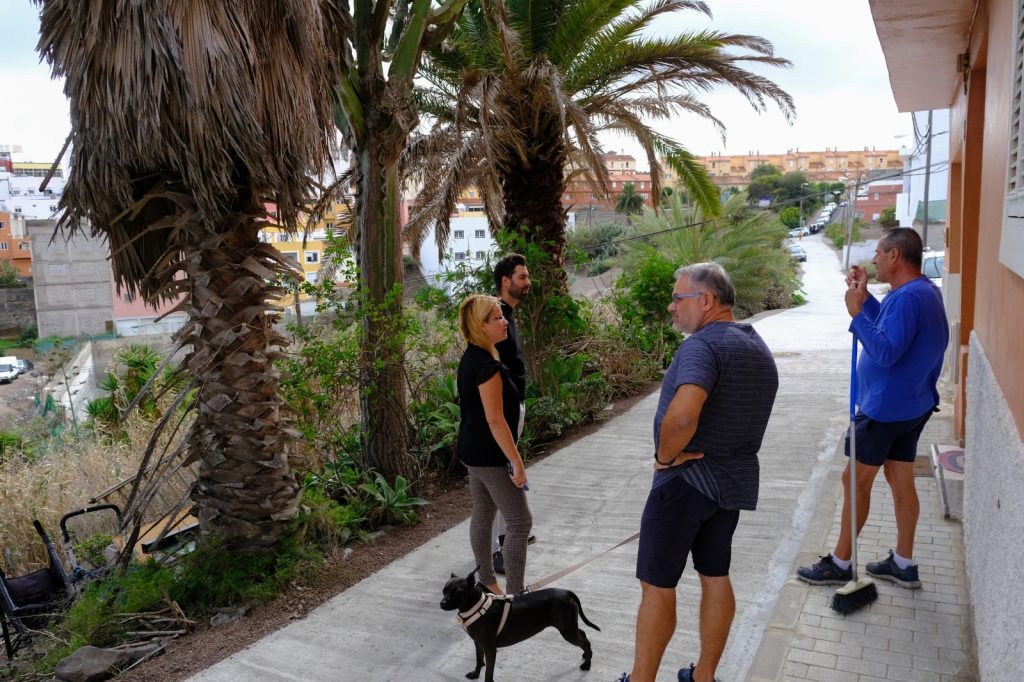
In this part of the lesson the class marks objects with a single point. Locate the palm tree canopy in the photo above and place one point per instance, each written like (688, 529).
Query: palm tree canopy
(593, 65)
(629, 202)
(196, 97)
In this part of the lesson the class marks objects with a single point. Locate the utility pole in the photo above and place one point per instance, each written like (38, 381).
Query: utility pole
(852, 208)
(927, 174)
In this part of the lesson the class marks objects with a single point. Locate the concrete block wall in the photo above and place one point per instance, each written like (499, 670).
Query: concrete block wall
(17, 310)
(994, 522)
(72, 287)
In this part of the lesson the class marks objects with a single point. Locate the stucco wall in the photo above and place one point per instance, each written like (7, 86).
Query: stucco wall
(1000, 292)
(994, 522)
(17, 310)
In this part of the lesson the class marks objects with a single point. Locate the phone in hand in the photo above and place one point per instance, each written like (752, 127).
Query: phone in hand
(526, 486)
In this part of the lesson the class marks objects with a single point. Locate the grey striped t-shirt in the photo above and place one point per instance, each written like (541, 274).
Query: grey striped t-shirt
(732, 363)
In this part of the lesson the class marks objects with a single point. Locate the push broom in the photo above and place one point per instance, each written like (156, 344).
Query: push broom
(857, 593)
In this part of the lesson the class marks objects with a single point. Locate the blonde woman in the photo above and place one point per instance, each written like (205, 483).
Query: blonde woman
(487, 443)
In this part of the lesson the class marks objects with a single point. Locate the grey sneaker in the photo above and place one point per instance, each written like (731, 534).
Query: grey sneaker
(888, 570)
(825, 572)
(499, 562)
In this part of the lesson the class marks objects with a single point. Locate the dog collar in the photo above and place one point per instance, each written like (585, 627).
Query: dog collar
(467, 618)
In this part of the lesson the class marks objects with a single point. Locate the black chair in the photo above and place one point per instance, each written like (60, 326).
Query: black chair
(28, 601)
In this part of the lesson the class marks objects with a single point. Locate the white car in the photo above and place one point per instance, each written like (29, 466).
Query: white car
(8, 370)
(933, 263)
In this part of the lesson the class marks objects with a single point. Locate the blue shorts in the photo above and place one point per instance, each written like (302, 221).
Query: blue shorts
(679, 520)
(880, 441)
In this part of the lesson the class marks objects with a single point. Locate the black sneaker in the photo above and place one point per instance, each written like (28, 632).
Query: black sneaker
(623, 678)
(825, 572)
(532, 539)
(686, 674)
(888, 570)
(499, 562)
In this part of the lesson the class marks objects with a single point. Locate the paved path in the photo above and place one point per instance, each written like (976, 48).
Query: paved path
(588, 497)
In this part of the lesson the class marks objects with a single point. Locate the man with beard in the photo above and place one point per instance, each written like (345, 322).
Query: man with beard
(715, 402)
(512, 280)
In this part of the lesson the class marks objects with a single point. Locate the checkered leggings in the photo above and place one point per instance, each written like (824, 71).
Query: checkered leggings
(491, 490)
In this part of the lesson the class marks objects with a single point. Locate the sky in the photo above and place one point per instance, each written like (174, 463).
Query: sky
(838, 81)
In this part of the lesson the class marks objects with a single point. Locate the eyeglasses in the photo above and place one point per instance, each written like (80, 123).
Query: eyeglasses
(494, 319)
(694, 294)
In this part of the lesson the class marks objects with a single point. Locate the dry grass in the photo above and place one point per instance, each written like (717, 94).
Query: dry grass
(65, 478)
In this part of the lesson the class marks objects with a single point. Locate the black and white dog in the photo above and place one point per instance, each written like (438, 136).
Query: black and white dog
(494, 621)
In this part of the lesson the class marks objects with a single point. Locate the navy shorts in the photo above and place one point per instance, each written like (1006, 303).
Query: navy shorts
(679, 520)
(880, 441)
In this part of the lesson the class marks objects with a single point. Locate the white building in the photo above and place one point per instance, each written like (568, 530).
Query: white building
(469, 244)
(910, 200)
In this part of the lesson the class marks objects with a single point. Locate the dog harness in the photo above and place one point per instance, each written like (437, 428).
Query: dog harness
(467, 618)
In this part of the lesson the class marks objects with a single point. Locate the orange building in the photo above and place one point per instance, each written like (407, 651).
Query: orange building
(733, 170)
(967, 55)
(14, 244)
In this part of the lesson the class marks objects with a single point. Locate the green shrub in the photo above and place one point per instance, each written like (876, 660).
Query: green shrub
(389, 503)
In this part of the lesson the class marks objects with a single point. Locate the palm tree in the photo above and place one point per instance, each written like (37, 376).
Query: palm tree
(187, 118)
(629, 202)
(376, 114)
(746, 243)
(522, 88)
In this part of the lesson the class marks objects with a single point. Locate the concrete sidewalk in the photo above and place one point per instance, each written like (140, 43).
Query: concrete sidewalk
(920, 634)
(588, 496)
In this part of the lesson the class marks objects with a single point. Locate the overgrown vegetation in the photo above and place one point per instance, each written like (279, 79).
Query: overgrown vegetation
(837, 232)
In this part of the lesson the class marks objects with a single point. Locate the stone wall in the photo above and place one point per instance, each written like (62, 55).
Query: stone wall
(72, 283)
(993, 521)
(17, 310)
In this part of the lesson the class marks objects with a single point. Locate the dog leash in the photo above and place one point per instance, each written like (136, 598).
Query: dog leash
(575, 567)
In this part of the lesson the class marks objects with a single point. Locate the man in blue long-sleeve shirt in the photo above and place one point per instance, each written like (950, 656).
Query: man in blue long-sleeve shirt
(904, 338)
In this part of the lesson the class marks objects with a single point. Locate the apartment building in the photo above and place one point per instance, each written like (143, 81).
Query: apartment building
(15, 246)
(732, 171)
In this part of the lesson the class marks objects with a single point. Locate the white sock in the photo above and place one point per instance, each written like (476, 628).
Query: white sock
(902, 562)
(844, 564)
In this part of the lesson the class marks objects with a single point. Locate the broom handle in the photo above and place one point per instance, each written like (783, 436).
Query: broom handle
(853, 457)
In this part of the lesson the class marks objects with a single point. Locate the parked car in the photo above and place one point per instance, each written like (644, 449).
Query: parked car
(24, 366)
(8, 370)
(932, 265)
(797, 253)
(798, 232)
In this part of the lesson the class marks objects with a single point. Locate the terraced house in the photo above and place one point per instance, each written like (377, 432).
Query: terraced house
(968, 55)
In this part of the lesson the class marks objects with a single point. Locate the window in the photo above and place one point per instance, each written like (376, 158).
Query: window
(329, 226)
(460, 255)
(1, 224)
(282, 237)
(24, 246)
(479, 234)
(312, 277)
(1011, 242)
(312, 256)
(291, 255)
(3, 246)
(479, 255)
(460, 234)
(876, 196)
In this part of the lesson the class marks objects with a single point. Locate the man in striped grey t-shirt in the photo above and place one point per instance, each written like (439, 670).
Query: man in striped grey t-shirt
(715, 402)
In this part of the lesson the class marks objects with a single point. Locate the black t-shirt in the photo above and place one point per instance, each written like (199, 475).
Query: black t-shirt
(477, 446)
(511, 351)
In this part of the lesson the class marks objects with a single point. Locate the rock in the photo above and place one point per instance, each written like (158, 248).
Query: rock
(346, 553)
(227, 615)
(91, 664)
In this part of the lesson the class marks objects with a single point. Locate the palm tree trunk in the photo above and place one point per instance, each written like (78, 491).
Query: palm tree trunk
(385, 424)
(533, 188)
(245, 493)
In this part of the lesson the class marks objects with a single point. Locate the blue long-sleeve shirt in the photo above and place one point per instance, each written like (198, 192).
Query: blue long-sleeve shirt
(904, 338)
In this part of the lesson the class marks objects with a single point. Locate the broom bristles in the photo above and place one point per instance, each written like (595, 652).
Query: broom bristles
(854, 596)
